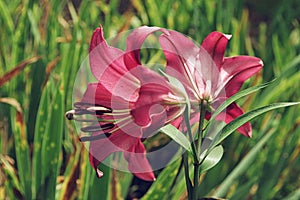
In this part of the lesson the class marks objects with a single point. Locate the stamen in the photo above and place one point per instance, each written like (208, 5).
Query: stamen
(86, 120)
(123, 125)
(122, 119)
(122, 111)
(96, 128)
(117, 114)
(94, 137)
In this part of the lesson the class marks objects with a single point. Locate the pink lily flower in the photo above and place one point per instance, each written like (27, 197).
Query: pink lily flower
(206, 74)
(128, 103)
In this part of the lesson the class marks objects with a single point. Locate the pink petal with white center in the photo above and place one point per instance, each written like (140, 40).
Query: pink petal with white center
(207, 73)
(180, 54)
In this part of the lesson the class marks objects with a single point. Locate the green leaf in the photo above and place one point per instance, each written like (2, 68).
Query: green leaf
(86, 176)
(237, 96)
(243, 189)
(52, 144)
(293, 196)
(9, 170)
(40, 127)
(212, 158)
(239, 121)
(105, 183)
(21, 146)
(161, 187)
(177, 136)
(34, 26)
(7, 19)
(242, 166)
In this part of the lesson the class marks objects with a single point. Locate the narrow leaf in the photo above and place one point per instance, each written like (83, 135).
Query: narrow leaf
(7, 19)
(293, 196)
(16, 70)
(236, 123)
(241, 167)
(237, 96)
(161, 187)
(21, 146)
(51, 146)
(40, 127)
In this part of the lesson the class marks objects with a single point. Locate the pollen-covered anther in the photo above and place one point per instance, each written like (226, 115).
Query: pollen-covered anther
(99, 109)
(70, 114)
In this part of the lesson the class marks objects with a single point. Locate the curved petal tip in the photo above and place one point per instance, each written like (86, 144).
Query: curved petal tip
(99, 173)
(228, 36)
(261, 63)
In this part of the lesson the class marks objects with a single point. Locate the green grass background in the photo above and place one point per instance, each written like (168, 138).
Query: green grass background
(42, 44)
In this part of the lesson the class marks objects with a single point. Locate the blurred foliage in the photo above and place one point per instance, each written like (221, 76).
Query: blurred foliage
(42, 46)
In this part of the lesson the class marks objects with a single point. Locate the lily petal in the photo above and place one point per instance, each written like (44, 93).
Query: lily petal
(107, 63)
(245, 67)
(101, 149)
(179, 50)
(134, 152)
(94, 163)
(233, 111)
(148, 99)
(138, 163)
(180, 53)
(97, 94)
(144, 76)
(134, 42)
(215, 45)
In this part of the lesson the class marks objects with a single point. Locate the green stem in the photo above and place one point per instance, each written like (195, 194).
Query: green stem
(196, 181)
(196, 147)
(198, 144)
(187, 175)
(189, 131)
(202, 106)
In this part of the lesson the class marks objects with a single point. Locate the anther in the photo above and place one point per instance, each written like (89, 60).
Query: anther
(99, 108)
(82, 105)
(98, 127)
(70, 115)
(92, 107)
(94, 137)
(80, 111)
